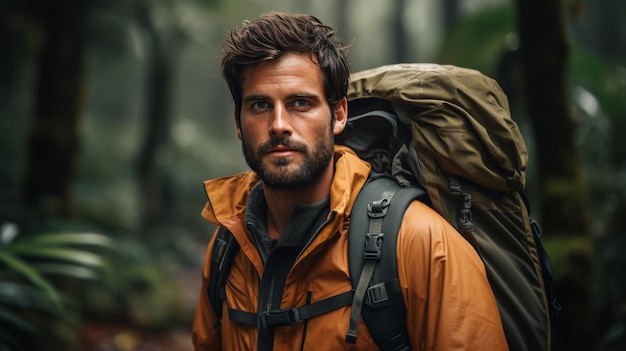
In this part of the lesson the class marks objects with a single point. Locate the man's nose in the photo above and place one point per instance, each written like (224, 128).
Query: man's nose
(280, 123)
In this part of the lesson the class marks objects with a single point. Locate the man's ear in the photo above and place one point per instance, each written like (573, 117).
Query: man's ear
(237, 122)
(341, 116)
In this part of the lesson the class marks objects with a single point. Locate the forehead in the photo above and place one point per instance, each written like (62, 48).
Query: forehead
(290, 71)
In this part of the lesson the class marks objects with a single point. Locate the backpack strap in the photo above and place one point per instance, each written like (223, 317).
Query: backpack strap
(376, 219)
(224, 251)
(293, 315)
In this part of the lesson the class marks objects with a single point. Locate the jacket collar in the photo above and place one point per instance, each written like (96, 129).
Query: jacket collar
(227, 196)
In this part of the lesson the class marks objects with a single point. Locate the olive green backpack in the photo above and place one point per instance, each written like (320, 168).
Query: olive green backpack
(448, 130)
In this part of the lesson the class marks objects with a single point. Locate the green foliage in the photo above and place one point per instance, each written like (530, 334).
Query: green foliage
(598, 90)
(602, 110)
(139, 289)
(27, 264)
(479, 40)
(117, 278)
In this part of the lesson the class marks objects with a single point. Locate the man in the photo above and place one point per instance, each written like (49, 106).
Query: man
(288, 75)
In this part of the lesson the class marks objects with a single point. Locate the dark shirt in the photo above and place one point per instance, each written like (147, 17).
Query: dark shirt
(302, 227)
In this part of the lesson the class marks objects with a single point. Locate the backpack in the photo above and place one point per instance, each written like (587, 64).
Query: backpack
(442, 135)
(448, 130)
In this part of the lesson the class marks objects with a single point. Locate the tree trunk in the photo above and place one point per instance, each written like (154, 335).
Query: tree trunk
(450, 14)
(54, 140)
(544, 51)
(564, 212)
(150, 173)
(398, 32)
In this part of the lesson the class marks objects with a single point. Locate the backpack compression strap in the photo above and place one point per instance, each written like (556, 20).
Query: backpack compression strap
(376, 219)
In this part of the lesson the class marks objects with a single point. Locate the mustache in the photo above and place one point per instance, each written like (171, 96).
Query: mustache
(284, 141)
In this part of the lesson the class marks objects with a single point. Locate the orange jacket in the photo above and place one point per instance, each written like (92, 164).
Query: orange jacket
(450, 305)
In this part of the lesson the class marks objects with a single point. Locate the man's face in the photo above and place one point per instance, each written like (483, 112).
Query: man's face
(285, 123)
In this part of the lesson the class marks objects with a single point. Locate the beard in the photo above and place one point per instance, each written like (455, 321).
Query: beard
(283, 174)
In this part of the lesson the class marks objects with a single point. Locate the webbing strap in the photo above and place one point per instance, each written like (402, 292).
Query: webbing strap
(293, 315)
(383, 309)
(378, 295)
(357, 302)
(376, 211)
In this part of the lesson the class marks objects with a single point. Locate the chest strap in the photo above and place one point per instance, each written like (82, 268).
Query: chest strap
(293, 315)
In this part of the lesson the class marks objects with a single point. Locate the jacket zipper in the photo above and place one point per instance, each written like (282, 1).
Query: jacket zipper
(330, 219)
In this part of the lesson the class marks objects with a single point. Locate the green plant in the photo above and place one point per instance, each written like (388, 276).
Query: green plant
(27, 265)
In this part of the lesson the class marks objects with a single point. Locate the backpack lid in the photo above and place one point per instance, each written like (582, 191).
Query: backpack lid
(457, 116)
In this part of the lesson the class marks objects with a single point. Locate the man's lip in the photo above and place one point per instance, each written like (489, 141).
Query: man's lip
(281, 150)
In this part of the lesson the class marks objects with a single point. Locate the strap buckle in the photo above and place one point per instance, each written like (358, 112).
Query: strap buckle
(377, 296)
(285, 316)
(373, 246)
(378, 208)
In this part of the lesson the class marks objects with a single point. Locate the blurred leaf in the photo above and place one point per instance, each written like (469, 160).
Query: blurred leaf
(69, 270)
(28, 259)
(9, 318)
(23, 268)
(76, 256)
(64, 239)
(24, 296)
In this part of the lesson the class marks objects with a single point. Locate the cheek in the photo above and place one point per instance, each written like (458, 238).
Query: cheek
(247, 131)
(251, 136)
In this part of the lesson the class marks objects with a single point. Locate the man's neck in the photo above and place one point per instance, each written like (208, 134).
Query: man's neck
(282, 202)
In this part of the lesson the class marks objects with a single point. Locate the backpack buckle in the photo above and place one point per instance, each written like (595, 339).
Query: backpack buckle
(376, 296)
(285, 316)
(378, 208)
(373, 246)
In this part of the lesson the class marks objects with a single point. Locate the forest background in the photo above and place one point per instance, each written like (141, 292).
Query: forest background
(112, 113)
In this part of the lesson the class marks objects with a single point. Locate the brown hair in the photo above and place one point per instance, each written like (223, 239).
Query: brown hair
(273, 34)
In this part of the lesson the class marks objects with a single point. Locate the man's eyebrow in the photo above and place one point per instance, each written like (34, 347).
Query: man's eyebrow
(304, 95)
(252, 98)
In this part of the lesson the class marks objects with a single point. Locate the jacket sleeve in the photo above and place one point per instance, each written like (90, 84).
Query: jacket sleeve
(204, 335)
(450, 304)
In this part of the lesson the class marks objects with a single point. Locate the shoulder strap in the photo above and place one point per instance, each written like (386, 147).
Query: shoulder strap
(373, 268)
(222, 256)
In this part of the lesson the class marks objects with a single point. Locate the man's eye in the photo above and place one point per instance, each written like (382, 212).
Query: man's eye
(301, 103)
(260, 105)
